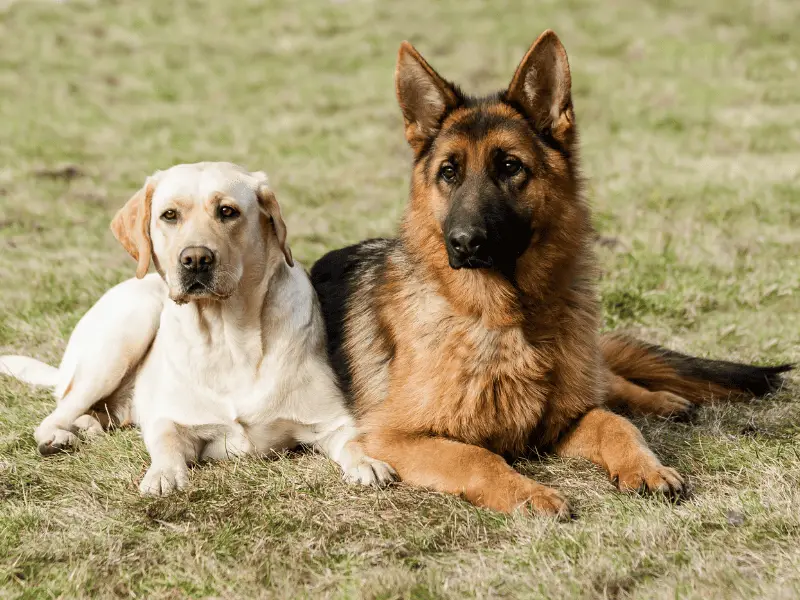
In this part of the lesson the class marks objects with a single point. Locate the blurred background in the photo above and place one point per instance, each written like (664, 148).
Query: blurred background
(689, 113)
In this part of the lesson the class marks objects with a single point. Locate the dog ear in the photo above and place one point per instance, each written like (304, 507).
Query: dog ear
(542, 87)
(131, 227)
(424, 97)
(270, 207)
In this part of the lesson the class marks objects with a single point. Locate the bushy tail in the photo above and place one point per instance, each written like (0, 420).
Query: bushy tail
(29, 370)
(696, 379)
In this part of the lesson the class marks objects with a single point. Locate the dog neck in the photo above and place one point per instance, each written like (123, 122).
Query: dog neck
(482, 293)
(242, 323)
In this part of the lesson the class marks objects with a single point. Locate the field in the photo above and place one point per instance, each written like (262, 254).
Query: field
(690, 121)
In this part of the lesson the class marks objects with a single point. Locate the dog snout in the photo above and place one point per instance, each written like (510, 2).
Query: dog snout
(465, 243)
(197, 259)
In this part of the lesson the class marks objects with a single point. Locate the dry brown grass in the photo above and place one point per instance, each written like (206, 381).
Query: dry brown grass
(690, 115)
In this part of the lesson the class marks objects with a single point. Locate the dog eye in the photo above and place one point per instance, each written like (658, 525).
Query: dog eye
(170, 216)
(228, 212)
(510, 167)
(448, 172)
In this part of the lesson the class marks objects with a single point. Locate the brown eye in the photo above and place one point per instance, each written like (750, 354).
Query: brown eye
(448, 172)
(228, 212)
(170, 216)
(511, 166)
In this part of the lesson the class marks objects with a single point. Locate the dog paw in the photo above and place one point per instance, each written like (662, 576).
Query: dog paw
(656, 480)
(672, 406)
(548, 502)
(368, 471)
(52, 440)
(521, 494)
(88, 426)
(161, 480)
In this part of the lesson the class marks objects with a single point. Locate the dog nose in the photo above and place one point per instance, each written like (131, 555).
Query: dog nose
(466, 241)
(197, 259)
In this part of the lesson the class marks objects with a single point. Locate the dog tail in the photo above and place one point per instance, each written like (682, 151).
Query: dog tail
(29, 370)
(697, 379)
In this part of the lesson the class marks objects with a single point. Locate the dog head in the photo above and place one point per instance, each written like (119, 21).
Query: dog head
(206, 227)
(492, 175)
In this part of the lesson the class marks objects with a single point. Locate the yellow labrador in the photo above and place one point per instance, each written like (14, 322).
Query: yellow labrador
(220, 354)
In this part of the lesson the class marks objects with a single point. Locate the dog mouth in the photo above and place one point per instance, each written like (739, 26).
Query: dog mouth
(473, 262)
(196, 289)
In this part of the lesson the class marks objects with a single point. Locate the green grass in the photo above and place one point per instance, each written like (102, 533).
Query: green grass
(690, 122)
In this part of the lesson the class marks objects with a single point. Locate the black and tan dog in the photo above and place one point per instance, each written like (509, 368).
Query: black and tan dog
(473, 337)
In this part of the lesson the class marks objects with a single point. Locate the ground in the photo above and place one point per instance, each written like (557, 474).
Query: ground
(690, 120)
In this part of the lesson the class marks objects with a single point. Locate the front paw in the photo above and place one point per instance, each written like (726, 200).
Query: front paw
(521, 494)
(547, 502)
(368, 471)
(161, 480)
(654, 479)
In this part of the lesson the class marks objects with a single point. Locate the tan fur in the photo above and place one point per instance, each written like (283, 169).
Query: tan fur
(455, 369)
(625, 395)
(479, 475)
(634, 361)
(131, 227)
(418, 86)
(613, 442)
(235, 365)
(272, 210)
(543, 76)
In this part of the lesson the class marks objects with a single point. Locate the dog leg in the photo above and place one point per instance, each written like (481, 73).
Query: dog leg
(343, 448)
(477, 474)
(111, 412)
(615, 444)
(77, 412)
(170, 449)
(57, 432)
(625, 395)
(107, 345)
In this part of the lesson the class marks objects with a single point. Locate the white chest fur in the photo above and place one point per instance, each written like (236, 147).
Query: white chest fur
(239, 378)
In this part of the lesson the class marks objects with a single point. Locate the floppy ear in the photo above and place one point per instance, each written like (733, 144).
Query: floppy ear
(131, 227)
(424, 97)
(270, 207)
(542, 87)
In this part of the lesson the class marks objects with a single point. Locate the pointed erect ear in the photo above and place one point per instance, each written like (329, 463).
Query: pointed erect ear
(423, 95)
(541, 86)
(270, 207)
(131, 227)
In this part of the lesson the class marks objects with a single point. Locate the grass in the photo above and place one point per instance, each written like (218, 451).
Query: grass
(690, 122)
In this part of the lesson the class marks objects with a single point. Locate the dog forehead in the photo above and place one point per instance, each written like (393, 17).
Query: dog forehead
(201, 181)
(481, 128)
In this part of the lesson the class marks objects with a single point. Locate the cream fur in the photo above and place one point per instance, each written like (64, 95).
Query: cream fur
(237, 369)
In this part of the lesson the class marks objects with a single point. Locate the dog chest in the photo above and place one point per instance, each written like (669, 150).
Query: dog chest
(195, 388)
(479, 385)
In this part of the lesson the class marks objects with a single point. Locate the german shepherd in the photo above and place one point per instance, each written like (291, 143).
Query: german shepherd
(473, 337)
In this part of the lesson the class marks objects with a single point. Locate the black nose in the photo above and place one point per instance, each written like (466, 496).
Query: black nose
(197, 259)
(466, 241)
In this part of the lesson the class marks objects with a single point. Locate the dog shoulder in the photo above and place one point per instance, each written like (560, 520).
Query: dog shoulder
(346, 282)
